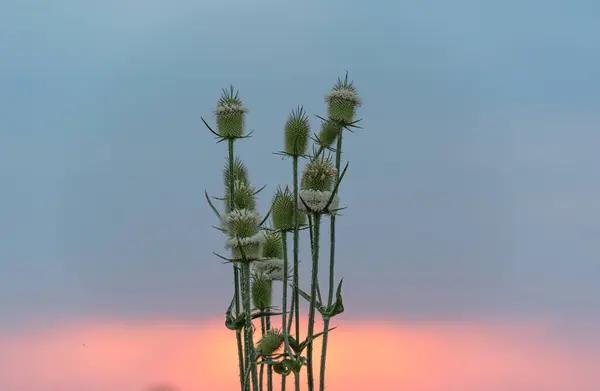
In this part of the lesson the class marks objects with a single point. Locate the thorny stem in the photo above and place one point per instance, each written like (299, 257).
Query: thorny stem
(236, 277)
(338, 158)
(262, 367)
(313, 300)
(296, 280)
(249, 344)
(269, 367)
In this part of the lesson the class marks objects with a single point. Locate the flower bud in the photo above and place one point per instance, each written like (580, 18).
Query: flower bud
(270, 342)
(262, 291)
(282, 211)
(329, 132)
(244, 196)
(273, 247)
(240, 172)
(296, 132)
(230, 115)
(242, 223)
(342, 101)
(271, 269)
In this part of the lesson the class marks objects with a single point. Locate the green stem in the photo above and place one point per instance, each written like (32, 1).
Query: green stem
(296, 279)
(269, 367)
(313, 302)
(262, 367)
(236, 276)
(248, 342)
(338, 158)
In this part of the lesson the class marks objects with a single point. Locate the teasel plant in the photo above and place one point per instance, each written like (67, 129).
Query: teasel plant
(259, 250)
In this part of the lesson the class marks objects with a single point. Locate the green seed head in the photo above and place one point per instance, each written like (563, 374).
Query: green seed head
(244, 196)
(329, 133)
(282, 211)
(251, 250)
(270, 342)
(242, 223)
(262, 292)
(273, 247)
(342, 101)
(230, 114)
(240, 172)
(318, 174)
(296, 132)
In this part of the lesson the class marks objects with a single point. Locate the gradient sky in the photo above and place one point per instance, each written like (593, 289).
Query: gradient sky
(472, 192)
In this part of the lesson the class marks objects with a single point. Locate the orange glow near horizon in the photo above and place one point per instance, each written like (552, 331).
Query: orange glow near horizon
(380, 356)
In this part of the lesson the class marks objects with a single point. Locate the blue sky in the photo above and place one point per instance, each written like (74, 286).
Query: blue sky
(472, 192)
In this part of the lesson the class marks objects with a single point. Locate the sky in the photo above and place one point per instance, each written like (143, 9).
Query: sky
(471, 191)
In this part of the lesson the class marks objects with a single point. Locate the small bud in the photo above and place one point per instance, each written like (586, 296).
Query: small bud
(342, 101)
(329, 133)
(296, 132)
(262, 291)
(270, 342)
(282, 211)
(318, 174)
(230, 115)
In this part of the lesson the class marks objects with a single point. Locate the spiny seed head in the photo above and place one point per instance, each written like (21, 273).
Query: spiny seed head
(270, 268)
(230, 114)
(318, 174)
(273, 247)
(262, 292)
(244, 196)
(329, 132)
(240, 172)
(296, 132)
(315, 201)
(270, 342)
(242, 223)
(342, 101)
(282, 211)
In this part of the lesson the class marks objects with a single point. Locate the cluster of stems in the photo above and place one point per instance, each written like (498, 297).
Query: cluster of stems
(259, 245)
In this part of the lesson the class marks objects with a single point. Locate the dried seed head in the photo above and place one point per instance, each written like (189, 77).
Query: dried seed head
(270, 342)
(318, 174)
(296, 132)
(342, 101)
(230, 114)
(282, 211)
(262, 291)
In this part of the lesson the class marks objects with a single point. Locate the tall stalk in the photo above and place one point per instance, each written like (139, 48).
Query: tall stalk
(236, 277)
(249, 343)
(286, 341)
(296, 279)
(269, 367)
(338, 158)
(313, 300)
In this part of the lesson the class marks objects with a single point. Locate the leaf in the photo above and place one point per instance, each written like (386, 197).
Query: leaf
(338, 306)
(211, 205)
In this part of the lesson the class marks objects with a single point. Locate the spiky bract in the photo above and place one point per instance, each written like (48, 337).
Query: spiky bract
(342, 101)
(230, 115)
(296, 132)
(282, 211)
(262, 291)
(270, 342)
(318, 174)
